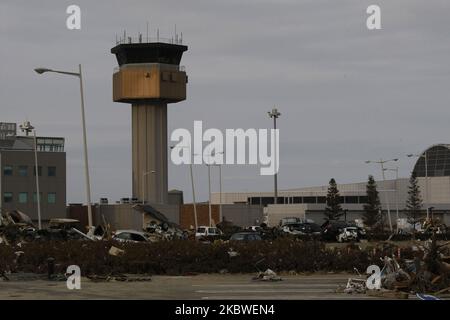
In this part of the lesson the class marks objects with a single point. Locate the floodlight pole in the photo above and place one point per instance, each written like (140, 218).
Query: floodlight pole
(275, 115)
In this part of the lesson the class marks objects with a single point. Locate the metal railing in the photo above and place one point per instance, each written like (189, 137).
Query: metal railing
(144, 39)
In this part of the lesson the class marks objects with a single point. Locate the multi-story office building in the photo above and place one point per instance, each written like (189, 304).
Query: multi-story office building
(18, 173)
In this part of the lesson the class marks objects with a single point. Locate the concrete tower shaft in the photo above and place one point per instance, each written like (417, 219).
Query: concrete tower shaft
(149, 77)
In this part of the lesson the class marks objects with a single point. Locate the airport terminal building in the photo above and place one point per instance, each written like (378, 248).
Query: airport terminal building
(432, 169)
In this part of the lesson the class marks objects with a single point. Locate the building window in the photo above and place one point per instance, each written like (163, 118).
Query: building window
(35, 197)
(51, 198)
(7, 170)
(23, 171)
(254, 200)
(297, 199)
(267, 200)
(39, 170)
(351, 199)
(321, 199)
(51, 171)
(23, 197)
(363, 199)
(309, 200)
(7, 197)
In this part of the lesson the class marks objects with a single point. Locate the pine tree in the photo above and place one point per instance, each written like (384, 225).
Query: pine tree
(333, 210)
(372, 209)
(414, 201)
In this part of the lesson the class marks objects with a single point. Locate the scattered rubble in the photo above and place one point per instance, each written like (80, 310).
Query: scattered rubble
(114, 251)
(268, 275)
(425, 271)
(355, 285)
(118, 277)
(232, 253)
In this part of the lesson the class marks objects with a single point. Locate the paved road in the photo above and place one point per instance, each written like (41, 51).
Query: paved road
(213, 286)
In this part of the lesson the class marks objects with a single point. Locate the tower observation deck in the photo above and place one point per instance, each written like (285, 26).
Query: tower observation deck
(149, 76)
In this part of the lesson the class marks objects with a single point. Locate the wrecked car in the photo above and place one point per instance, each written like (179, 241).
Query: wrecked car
(60, 229)
(333, 230)
(246, 236)
(130, 236)
(348, 234)
(16, 226)
(306, 229)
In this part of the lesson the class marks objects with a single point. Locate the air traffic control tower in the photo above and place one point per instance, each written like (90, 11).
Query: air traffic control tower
(149, 77)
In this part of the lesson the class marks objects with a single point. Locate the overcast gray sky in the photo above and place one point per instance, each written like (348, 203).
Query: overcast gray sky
(346, 94)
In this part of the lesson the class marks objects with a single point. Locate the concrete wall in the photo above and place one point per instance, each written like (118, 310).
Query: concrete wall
(243, 215)
(119, 216)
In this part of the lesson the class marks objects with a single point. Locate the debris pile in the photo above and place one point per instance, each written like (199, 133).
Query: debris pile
(422, 268)
(268, 275)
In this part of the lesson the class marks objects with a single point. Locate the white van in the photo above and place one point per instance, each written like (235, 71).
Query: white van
(205, 231)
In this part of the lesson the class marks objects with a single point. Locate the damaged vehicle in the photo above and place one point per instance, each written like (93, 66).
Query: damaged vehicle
(342, 231)
(130, 236)
(158, 226)
(306, 229)
(348, 234)
(16, 226)
(61, 229)
(246, 236)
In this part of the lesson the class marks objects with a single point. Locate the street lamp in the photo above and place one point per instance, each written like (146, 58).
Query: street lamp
(27, 128)
(382, 162)
(193, 188)
(143, 184)
(83, 121)
(396, 191)
(424, 155)
(275, 115)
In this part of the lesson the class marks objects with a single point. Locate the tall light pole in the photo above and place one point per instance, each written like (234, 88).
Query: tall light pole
(83, 122)
(275, 115)
(220, 193)
(143, 184)
(424, 155)
(209, 187)
(27, 128)
(209, 194)
(382, 162)
(193, 187)
(396, 191)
